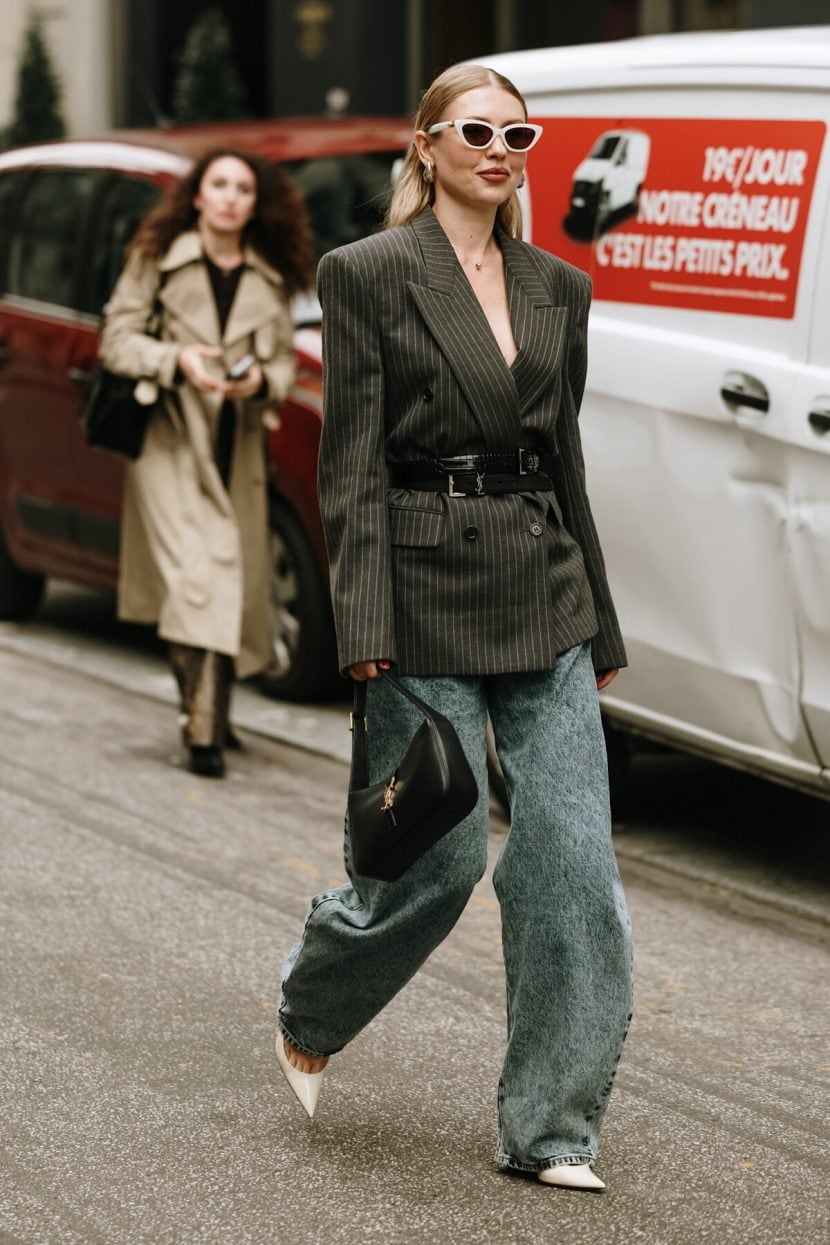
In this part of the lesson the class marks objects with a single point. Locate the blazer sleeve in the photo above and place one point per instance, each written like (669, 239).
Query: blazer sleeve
(569, 481)
(352, 470)
(126, 347)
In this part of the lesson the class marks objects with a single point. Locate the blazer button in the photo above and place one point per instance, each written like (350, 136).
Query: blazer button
(470, 532)
(536, 529)
(427, 394)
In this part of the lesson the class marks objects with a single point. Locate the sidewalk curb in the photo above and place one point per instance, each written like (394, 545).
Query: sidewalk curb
(249, 704)
(712, 880)
(248, 715)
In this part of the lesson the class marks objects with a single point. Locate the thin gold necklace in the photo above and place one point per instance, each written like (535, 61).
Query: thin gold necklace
(466, 259)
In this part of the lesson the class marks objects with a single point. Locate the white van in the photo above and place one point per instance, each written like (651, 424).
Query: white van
(706, 419)
(607, 183)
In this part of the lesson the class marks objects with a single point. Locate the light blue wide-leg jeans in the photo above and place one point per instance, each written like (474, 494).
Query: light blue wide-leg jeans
(565, 927)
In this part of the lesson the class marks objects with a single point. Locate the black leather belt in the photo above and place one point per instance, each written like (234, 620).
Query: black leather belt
(474, 475)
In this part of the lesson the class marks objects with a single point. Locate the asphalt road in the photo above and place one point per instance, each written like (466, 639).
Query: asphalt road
(145, 914)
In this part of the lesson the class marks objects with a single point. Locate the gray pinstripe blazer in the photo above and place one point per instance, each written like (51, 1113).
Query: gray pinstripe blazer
(443, 585)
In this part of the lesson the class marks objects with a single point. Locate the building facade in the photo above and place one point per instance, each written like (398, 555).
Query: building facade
(117, 59)
(79, 35)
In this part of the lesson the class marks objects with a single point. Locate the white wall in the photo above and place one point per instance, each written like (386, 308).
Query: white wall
(79, 37)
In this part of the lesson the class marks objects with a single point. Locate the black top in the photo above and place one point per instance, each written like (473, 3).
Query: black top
(224, 283)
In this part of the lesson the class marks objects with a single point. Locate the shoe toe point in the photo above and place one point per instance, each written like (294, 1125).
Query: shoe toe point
(572, 1176)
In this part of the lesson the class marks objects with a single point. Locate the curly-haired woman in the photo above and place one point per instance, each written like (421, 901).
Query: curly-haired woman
(206, 285)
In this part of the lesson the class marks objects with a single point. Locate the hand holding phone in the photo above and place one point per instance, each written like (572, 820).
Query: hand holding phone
(240, 369)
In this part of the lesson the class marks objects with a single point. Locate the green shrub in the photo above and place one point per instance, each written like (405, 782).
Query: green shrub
(208, 86)
(37, 113)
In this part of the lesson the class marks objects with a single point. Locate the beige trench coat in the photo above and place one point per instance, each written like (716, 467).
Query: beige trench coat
(194, 556)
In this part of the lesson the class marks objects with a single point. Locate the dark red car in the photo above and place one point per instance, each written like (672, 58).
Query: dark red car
(66, 212)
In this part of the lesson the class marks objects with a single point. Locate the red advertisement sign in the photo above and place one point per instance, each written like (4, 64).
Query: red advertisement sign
(705, 214)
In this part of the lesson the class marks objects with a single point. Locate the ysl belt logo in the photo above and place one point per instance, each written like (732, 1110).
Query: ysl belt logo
(480, 483)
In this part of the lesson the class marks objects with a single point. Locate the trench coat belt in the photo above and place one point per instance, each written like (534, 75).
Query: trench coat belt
(474, 475)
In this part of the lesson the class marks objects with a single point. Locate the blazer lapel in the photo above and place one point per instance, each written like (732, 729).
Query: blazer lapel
(251, 308)
(538, 326)
(190, 298)
(453, 315)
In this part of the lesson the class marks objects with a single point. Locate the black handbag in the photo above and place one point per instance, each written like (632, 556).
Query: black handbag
(392, 823)
(112, 419)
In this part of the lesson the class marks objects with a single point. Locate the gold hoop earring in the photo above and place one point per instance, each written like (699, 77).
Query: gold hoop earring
(428, 175)
(521, 182)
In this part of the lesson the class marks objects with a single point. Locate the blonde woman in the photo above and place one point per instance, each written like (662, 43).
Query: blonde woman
(463, 551)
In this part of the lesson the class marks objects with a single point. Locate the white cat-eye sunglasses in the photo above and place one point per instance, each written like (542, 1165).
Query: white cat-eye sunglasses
(520, 136)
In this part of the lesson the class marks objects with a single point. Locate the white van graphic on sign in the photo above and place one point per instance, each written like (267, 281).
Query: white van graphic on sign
(607, 184)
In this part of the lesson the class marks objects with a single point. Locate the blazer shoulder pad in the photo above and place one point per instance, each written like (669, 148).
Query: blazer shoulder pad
(374, 250)
(573, 284)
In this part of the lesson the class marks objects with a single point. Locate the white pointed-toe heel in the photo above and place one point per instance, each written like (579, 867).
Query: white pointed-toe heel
(306, 1086)
(572, 1176)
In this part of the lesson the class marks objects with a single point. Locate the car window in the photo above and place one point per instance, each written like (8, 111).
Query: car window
(125, 201)
(44, 250)
(605, 148)
(347, 196)
(11, 185)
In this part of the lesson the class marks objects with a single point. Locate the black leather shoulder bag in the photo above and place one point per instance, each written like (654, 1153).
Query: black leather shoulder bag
(393, 822)
(111, 417)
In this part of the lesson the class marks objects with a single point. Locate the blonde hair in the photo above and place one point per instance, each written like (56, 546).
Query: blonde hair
(413, 192)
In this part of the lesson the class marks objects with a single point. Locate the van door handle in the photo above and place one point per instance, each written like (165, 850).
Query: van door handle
(820, 420)
(80, 375)
(738, 389)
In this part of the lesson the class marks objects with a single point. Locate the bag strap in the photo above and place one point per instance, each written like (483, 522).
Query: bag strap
(153, 327)
(360, 753)
(359, 726)
(394, 681)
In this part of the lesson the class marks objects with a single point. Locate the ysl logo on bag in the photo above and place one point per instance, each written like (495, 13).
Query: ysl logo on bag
(389, 799)
(394, 822)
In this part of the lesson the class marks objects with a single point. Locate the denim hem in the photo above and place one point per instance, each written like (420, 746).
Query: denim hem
(572, 1159)
(306, 1050)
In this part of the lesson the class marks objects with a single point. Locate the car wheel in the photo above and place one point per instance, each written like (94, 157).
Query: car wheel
(20, 591)
(304, 665)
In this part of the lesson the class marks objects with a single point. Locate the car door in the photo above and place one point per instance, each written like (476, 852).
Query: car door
(808, 467)
(690, 489)
(44, 344)
(121, 202)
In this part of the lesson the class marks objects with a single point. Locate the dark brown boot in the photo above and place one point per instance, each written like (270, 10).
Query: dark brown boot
(207, 762)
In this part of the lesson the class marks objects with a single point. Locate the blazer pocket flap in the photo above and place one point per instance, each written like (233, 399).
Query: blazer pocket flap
(421, 528)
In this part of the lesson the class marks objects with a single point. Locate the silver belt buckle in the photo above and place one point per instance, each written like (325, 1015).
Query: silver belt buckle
(479, 486)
